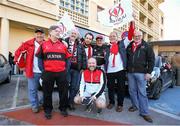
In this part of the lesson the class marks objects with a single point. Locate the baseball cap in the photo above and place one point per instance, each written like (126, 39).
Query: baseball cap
(39, 30)
(99, 37)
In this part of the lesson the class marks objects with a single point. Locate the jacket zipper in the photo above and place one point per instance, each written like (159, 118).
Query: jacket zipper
(138, 53)
(91, 76)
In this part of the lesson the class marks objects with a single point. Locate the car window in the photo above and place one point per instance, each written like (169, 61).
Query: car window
(2, 60)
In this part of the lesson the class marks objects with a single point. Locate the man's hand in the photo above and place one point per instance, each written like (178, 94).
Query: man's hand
(147, 76)
(82, 98)
(65, 43)
(93, 98)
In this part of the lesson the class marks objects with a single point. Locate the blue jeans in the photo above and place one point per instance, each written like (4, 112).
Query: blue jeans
(74, 76)
(137, 91)
(33, 84)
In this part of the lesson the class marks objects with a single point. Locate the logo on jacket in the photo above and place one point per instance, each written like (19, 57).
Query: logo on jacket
(96, 78)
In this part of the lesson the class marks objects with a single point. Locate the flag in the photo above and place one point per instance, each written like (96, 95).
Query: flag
(131, 30)
(66, 25)
(117, 15)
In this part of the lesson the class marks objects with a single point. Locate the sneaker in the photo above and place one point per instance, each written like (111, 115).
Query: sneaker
(88, 108)
(35, 109)
(132, 109)
(110, 106)
(147, 118)
(64, 113)
(48, 115)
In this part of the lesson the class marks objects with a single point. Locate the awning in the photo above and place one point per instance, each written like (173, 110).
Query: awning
(83, 31)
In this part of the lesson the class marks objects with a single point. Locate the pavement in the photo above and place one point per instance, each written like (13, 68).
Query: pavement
(164, 111)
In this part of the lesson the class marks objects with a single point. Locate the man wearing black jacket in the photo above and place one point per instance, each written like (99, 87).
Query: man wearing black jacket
(99, 51)
(75, 64)
(140, 63)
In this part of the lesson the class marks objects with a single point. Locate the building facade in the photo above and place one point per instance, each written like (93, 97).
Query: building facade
(19, 18)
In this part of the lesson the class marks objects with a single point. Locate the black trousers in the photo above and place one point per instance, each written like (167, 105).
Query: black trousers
(48, 79)
(116, 85)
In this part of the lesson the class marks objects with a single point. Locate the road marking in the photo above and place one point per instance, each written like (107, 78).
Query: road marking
(16, 94)
(165, 113)
(15, 108)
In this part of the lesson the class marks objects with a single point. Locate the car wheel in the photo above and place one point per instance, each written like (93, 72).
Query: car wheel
(8, 80)
(158, 88)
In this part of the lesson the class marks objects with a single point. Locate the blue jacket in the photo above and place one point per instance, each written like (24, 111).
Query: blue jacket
(122, 52)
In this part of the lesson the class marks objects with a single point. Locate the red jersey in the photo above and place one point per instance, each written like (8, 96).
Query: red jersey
(54, 55)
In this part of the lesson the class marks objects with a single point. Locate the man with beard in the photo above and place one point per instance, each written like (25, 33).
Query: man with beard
(88, 38)
(92, 85)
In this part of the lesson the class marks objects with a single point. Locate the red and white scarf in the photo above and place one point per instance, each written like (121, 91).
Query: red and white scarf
(114, 50)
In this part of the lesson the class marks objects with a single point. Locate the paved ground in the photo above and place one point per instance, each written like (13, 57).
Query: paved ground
(14, 96)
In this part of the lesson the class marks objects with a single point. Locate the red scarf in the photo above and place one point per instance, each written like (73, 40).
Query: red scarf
(135, 45)
(74, 57)
(114, 50)
(89, 51)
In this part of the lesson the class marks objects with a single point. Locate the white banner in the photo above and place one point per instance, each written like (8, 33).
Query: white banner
(66, 25)
(117, 15)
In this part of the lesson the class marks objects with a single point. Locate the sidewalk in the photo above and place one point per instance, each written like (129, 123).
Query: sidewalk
(81, 117)
(164, 111)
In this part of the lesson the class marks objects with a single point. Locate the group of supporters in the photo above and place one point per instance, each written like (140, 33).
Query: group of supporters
(82, 70)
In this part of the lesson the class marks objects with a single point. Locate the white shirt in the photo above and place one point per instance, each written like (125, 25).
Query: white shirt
(86, 89)
(86, 50)
(118, 64)
(35, 61)
(118, 60)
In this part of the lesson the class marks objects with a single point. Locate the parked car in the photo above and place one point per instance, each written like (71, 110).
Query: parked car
(5, 70)
(162, 77)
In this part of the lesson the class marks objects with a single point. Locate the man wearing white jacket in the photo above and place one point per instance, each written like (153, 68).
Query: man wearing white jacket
(92, 85)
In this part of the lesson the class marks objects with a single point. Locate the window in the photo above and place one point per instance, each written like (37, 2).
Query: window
(72, 7)
(51, 1)
(2, 60)
(82, 5)
(61, 3)
(162, 20)
(98, 10)
(142, 2)
(77, 9)
(150, 8)
(72, 2)
(142, 17)
(161, 32)
(82, 11)
(67, 5)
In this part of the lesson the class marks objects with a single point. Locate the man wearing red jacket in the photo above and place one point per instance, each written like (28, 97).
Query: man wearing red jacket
(26, 52)
(54, 55)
